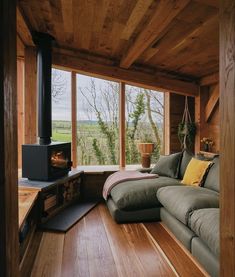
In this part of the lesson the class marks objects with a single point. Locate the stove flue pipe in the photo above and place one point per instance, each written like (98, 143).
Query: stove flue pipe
(43, 43)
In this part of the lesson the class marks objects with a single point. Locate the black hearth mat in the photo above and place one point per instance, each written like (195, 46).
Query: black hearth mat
(65, 219)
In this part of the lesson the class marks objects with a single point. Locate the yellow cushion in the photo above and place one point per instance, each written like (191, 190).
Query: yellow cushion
(195, 172)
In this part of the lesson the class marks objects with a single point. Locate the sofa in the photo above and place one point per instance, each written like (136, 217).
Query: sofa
(190, 212)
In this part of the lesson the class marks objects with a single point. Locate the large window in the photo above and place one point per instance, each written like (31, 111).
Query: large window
(94, 130)
(97, 125)
(61, 105)
(144, 121)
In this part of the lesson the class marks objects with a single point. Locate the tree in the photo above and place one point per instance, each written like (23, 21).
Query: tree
(144, 116)
(58, 84)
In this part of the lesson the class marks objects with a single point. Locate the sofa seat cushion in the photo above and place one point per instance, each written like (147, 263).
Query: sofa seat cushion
(140, 194)
(181, 201)
(205, 224)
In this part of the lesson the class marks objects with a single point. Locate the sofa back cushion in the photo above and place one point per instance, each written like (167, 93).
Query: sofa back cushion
(212, 179)
(168, 165)
(186, 158)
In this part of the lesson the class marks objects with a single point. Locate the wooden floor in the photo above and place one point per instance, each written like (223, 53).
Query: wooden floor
(97, 246)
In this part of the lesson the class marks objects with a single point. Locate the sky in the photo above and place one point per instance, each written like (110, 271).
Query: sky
(61, 104)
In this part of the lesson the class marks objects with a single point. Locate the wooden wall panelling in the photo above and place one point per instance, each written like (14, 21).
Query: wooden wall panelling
(74, 117)
(200, 102)
(92, 184)
(167, 132)
(227, 139)
(9, 237)
(20, 108)
(177, 103)
(212, 102)
(122, 125)
(30, 99)
(207, 128)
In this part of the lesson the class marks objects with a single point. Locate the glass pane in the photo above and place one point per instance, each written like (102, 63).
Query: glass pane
(61, 105)
(144, 122)
(97, 115)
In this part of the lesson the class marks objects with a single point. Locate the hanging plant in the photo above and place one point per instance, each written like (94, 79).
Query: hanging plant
(186, 129)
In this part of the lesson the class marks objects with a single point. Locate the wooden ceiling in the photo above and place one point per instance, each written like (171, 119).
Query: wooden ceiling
(176, 36)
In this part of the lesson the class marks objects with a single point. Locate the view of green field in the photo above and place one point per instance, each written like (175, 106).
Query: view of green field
(98, 118)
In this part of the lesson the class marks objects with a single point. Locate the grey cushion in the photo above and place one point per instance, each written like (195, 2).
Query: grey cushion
(205, 257)
(186, 158)
(180, 201)
(212, 179)
(140, 194)
(205, 224)
(181, 231)
(120, 216)
(168, 165)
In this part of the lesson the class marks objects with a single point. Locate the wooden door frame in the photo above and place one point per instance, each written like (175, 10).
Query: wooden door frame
(227, 139)
(9, 230)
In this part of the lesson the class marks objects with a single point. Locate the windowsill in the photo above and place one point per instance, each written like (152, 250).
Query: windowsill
(93, 169)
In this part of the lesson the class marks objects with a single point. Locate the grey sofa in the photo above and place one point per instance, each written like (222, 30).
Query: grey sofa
(191, 213)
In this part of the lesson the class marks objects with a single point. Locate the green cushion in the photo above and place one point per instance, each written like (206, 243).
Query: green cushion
(140, 194)
(186, 158)
(205, 224)
(168, 165)
(212, 179)
(180, 201)
(120, 216)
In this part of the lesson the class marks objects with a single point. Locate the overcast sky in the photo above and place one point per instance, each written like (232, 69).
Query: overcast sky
(61, 105)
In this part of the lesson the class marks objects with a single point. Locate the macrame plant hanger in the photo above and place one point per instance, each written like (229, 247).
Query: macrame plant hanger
(186, 120)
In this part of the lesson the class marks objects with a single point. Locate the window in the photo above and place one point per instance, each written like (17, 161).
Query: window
(144, 121)
(61, 105)
(97, 127)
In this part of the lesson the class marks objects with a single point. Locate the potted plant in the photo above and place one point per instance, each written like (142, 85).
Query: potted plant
(145, 148)
(207, 144)
(186, 128)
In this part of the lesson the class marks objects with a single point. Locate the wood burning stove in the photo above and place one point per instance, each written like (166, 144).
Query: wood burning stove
(45, 161)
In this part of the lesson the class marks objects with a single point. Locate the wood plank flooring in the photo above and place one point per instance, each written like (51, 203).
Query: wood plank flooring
(96, 246)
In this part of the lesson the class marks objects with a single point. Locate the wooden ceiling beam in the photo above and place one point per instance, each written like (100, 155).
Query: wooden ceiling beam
(23, 29)
(92, 66)
(212, 102)
(137, 14)
(165, 12)
(209, 79)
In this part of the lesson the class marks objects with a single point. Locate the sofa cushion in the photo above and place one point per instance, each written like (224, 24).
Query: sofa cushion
(168, 165)
(212, 179)
(205, 224)
(180, 201)
(140, 194)
(186, 158)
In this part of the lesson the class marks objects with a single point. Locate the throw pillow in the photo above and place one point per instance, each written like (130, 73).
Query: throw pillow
(195, 172)
(168, 166)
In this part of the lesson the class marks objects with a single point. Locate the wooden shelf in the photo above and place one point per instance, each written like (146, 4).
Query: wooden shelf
(27, 198)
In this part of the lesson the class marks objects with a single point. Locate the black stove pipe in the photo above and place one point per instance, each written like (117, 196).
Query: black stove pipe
(43, 43)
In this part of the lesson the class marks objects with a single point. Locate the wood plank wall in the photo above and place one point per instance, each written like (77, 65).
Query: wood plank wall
(9, 237)
(227, 139)
(20, 108)
(174, 104)
(30, 98)
(207, 128)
